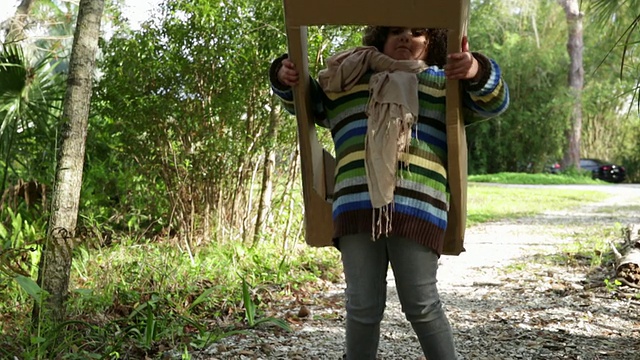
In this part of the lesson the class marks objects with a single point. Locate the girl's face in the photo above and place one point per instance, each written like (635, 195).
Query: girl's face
(406, 44)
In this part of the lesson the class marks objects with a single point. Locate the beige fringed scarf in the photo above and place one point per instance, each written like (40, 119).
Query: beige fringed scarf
(392, 110)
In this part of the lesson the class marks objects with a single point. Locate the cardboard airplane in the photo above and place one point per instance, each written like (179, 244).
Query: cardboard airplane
(318, 165)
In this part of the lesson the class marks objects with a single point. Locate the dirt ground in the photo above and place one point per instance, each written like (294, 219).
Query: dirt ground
(509, 296)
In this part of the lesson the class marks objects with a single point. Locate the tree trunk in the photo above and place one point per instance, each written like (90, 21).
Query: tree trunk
(575, 48)
(266, 191)
(293, 175)
(55, 265)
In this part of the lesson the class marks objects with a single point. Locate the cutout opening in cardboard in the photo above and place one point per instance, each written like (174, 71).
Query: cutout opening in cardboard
(316, 163)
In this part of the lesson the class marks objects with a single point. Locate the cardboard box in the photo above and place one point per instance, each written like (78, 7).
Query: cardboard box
(317, 164)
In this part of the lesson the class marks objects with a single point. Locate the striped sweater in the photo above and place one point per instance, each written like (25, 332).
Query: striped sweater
(421, 198)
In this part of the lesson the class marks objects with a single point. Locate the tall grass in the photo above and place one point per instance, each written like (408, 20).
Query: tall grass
(142, 297)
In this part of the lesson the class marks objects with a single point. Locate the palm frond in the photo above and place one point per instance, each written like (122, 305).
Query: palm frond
(612, 12)
(13, 70)
(603, 9)
(31, 92)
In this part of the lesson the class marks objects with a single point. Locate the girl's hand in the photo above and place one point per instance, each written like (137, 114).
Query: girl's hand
(287, 74)
(462, 65)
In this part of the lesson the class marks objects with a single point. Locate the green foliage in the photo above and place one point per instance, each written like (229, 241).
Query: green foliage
(118, 198)
(30, 103)
(590, 247)
(631, 161)
(610, 124)
(531, 131)
(620, 19)
(150, 296)
(612, 286)
(14, 74)
(195, 124)
(31, 287)
(57, 19)
(20, 252)
(199, 126)
(250, 311)
(528, 41)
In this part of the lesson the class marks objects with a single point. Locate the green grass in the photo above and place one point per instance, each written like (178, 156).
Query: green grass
(629, 209)
(490, 203)
(587, 247)
(535, 179)
(137, 297)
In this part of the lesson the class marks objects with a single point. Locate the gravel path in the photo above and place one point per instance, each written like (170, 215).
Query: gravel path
(502, 301)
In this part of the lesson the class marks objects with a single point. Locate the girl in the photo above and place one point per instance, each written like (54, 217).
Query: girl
(384, 103)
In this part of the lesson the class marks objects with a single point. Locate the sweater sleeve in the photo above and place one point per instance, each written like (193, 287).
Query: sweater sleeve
(285, 93)
(282, 91)
(490, 95)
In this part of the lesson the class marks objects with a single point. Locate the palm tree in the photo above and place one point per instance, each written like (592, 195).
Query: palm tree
(575, 47)
(30, 105)
(55, 264)
(16, 25)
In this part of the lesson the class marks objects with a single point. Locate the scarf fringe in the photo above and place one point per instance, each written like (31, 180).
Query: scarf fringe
(382, 224)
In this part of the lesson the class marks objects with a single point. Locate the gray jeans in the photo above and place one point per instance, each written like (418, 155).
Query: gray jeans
(414, 267)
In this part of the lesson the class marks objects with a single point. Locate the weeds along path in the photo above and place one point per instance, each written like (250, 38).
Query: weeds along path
(514, 294)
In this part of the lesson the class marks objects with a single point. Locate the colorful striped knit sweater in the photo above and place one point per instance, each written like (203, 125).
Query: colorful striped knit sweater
(421, 198)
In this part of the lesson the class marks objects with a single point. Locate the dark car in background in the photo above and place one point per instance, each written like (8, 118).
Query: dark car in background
(604, 170)
(554, 168)
(600, 169)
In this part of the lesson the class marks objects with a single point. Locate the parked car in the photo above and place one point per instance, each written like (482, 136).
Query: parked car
(553, 168)
(604, 170)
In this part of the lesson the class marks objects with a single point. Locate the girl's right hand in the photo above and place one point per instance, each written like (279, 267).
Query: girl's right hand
(288, 75)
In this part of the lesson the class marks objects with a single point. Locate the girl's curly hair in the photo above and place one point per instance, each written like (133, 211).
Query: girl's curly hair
(437, 49)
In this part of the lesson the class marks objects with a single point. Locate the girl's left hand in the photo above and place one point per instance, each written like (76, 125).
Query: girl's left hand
(462, 65)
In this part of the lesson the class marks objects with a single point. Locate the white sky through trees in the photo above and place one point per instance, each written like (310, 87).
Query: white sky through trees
(136, 11)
